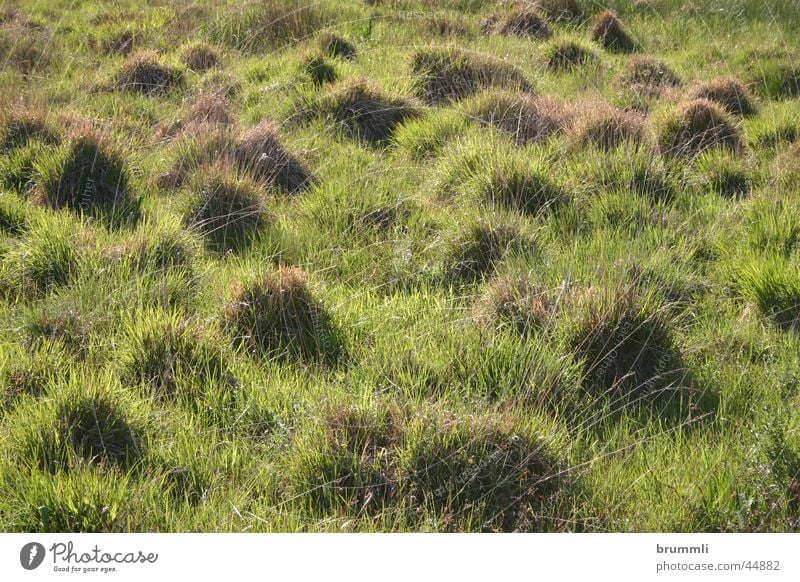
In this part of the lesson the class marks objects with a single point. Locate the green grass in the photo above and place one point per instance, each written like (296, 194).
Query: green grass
(357, 266)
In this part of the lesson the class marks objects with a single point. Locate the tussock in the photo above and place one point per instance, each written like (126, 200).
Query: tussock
(199, 57)
(89, 173)
(97, 432)
(170, 356)
(487, 469)
(337, 46)
(225, 207)
(696, 126)
(520, 21)
(363, 111)
(524, 117)
(561, 10)
(268, 24)
(607, 30)
(144, 73)
(606, 127)
(569, 54)
(278, 316)
(648, 76)
(24, 123)
(478, 251)
(624, 342)
(451, 74)
(727, 92)
(259, 151)
(513, 301)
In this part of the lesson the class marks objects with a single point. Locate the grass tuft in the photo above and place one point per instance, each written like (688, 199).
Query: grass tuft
(337, 46)
(170, 356)
(624, 341)
(648, 76)
(697, 126)
(89, 174)
(144, 73)
(479, 249)
(607, 30)
(277, 315)
(523, 117)
(450, 74)
(608, 128)
(513, 301)
(727, 92)
(521, 21)
(567, 55)
(268, 24)
(363, 111)
(227, 208)
(199, 57)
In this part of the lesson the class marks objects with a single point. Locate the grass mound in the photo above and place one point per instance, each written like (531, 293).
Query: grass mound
(269, 24)
(210, 108)
(357, 459)
(697, 126)
(117, 39)
(144, 73)
(97, 431)
(88, 174)
(477, 251)
(24, 48)
(55, 325)
(566, 55)
(628, 170)
(489, 470)
(727, 92)
(513, 301)
(13, 215)
(225, 207)
(787, 164)
(336, 46)
(624, 342)
(648, 76)
(450, 74)
(608, 128)
(169, 355)
(319, 69)
(774, 286)
(561, 10)
(723, 174)
(607, 30)
(362, 111)
(277, 315)
(484, 472)
(79, 429)
(499, 176)
(47, 257)
(426, 136)
(778, 80)
(259, 151)
(23, 124)
(523, 117)
(443, 26)
(199, 57)
(521, 21)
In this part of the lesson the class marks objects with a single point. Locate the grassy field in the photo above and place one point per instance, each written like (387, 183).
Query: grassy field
(399, 265)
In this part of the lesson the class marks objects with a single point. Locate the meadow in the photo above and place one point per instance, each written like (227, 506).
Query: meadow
(399, 265)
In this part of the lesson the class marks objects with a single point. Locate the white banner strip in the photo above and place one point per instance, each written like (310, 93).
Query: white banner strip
(353, 557)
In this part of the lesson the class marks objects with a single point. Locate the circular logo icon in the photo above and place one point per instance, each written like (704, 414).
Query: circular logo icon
(31, 555)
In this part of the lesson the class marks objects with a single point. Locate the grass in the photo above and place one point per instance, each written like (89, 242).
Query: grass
(399, 266)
